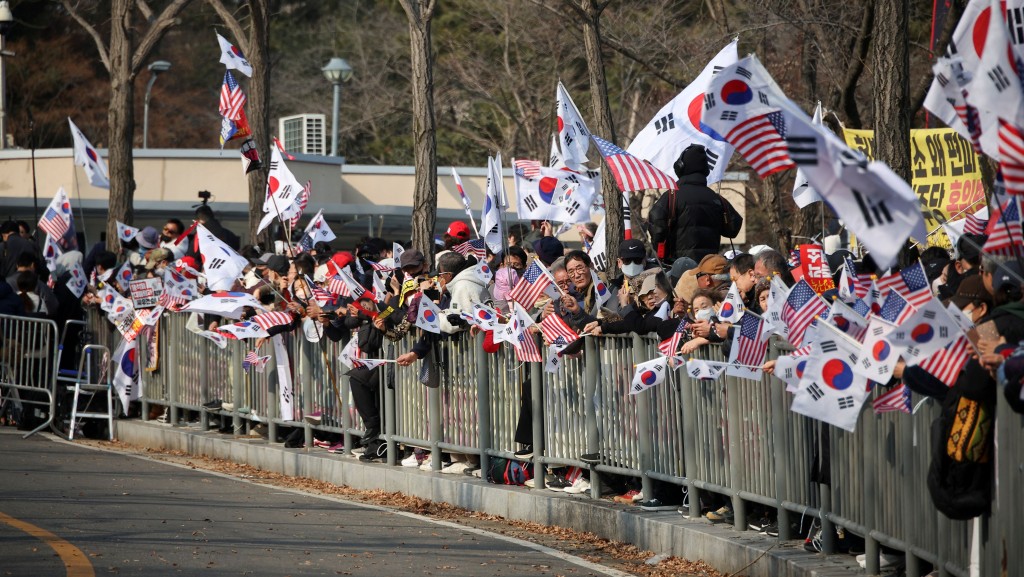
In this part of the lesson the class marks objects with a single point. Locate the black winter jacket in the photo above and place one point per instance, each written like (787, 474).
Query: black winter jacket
(701, 218)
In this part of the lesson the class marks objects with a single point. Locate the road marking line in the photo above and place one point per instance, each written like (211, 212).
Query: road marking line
(76, 562)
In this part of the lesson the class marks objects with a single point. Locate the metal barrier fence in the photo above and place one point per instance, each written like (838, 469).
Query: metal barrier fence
(28, 364)
(733, 436)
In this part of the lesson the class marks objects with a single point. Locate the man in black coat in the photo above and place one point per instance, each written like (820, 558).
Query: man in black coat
(691, 221)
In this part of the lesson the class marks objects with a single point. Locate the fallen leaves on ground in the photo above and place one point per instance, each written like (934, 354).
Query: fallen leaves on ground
(583, 544)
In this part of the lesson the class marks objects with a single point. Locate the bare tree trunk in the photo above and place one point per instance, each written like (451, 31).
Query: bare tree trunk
(121, 118)
(258, 54)
(892, 86)
(424, 129)
(773, 202)
(591, 12)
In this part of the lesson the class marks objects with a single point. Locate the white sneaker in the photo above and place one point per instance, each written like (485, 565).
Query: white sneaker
(410, 461)
(530, 484)
(581, 485)
(884, 560)
(426, 465)
(456, 468)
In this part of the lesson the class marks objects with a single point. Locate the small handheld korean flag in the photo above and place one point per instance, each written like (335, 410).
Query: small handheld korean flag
(87, 157)
(396, 254)
(732, 307)
(350, 353)
(231, 57)
(597, 252)
(601, 290)
(803, 193)
(126, 373)
(572, 131)
(428, 316)
(126, 233)
(482, 271)
(702, 369)
(649, 374)
(78, 282)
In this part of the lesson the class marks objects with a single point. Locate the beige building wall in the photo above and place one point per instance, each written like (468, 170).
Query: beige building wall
(168, 181)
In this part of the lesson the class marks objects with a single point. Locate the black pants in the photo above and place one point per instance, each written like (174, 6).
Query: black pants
(524, 426)
(365, 387)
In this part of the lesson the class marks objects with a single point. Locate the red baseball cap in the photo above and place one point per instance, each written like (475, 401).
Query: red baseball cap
(458, 229)
(340, 260)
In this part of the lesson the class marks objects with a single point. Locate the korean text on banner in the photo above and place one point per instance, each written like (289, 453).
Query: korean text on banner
(945, 175)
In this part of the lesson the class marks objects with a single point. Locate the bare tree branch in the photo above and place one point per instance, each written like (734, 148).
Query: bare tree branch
(232, 24)
(147, 12)
(848, 93)
(100, 45)
(156, 31)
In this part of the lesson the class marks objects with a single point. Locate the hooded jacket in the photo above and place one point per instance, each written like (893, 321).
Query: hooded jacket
(694, 226)
(465, 290)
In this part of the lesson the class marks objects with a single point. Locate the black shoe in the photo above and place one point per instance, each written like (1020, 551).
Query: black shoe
(761, 524)
(591, 458)
(213, 405)
(525, 453)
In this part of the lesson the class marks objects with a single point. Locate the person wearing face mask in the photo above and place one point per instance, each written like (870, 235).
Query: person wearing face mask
(976, 304)
(632, 261)
(652, 315)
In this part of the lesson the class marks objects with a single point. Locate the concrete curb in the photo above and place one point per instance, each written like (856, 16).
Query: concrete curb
(668, 533)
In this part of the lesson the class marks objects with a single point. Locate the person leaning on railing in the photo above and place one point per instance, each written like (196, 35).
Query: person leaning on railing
(651, 315)
(578, 306)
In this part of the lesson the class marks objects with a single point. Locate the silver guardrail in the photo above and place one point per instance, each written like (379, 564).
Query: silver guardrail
(28, 365)
(733, 436)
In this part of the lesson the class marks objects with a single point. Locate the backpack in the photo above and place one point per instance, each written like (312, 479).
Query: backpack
(960, 474)
(508, 472)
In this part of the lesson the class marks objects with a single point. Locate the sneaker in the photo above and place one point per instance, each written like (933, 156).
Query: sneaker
(338, 447)
(885, 560)
(629, 497)
(227, 406)
(813, 541)
(213, 405)
(558, 484)
(525, 453)
(530, 484)
(656, 505)
(321, 444)
(456, 468)
(580, 486)
(760, 524)
(591, 458)
(472, 471)
(722, 515)
(411, 461)
(259, 431)
(314, 418)
(772, 529)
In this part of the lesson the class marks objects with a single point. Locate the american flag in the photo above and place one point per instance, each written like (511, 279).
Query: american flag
(283, 151)
(946, 364)
(319, 293)
(897, 399)
(1004, 229)
(526, 168)
(532, 285)
(974, 224)
(631, 173)
(251, 358)
(1011, 157)
(863, 284)
(336, 286)
(802, 305)
(232, 99)
(553, 328)
(895, 309)
(911, 283)
(303, 199)
(669, 346)
(53, 223)
(172, 303)
(475, 248)
(272, 319)
(761, 142)
(380, 267)
(969, 116)
(748, 339)
(526, 349)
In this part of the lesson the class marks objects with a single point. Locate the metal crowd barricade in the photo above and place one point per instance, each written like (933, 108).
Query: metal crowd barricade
(28, 364)
(733, 436)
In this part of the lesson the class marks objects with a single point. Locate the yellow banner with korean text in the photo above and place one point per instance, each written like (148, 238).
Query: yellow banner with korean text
(945, 175)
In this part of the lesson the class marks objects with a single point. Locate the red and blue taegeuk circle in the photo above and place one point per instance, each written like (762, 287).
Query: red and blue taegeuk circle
(737, 93)
(837, 374)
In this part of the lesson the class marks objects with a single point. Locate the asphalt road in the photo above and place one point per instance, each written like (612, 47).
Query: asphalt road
(71, 510)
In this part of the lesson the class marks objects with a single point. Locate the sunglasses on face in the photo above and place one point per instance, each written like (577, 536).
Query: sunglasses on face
(637, 260)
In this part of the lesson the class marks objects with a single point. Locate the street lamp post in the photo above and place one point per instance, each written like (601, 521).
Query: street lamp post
(154, 70)
(336, 71)
(6, 23)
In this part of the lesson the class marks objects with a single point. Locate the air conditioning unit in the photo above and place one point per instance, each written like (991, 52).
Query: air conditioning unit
(304, 133)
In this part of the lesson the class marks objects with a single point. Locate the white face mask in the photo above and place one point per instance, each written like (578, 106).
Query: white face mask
(632, 270)
(250, 279)
(704, 314)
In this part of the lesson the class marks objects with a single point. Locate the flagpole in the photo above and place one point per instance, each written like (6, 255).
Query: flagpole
(81, 213)
(938, 228)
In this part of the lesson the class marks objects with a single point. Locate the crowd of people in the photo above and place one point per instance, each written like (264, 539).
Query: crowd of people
(683, 276)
